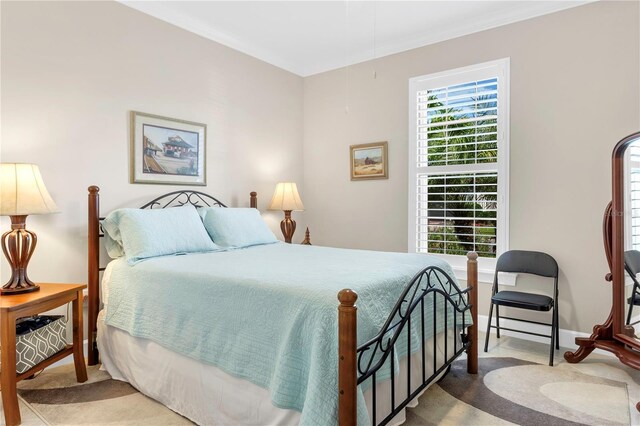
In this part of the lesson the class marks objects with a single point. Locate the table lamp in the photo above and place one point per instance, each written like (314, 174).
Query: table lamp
(287, 199)
(22, 192)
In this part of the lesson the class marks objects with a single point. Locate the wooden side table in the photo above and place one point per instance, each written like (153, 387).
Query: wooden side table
(17, 306)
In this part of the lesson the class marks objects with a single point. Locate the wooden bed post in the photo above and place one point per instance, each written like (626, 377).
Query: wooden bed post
(472, 281)
(347, 347)
(253, 201)
(93, 277)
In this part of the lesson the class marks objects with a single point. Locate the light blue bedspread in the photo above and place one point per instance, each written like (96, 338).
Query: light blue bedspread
(267, 314)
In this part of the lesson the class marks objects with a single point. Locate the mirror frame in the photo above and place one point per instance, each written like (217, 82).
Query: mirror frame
(615, 242)
(613, 335)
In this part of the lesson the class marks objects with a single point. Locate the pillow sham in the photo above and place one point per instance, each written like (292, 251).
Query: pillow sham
(236, 227)
(143, 234)
(113, 247)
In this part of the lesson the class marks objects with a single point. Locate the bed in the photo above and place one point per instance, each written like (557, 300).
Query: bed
(251, 336)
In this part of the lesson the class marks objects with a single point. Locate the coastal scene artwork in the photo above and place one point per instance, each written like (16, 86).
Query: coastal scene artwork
(369, 161)
(167, 151)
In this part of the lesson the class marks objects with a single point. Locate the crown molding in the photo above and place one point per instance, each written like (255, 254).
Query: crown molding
(527, 10)
(158, 10)
(399, 46)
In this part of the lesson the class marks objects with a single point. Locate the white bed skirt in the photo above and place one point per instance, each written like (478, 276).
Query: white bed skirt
(209, 396)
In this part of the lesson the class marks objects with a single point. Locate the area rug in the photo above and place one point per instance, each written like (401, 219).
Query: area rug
(527, 393)
(506, 391)
(58, 399)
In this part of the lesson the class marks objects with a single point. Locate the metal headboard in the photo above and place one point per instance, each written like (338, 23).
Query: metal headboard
(176, 199)
(181, 198)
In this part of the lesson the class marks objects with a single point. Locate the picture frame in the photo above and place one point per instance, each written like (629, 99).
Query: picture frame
(369, 161)
(167, 151)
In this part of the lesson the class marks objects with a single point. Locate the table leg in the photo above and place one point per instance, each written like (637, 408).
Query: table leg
(8, 373)
(78, 354)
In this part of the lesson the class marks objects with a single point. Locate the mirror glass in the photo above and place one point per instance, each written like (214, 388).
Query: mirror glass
(632, 235)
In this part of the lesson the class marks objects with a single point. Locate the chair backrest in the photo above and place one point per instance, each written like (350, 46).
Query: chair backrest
(528, 262)
(632, 263)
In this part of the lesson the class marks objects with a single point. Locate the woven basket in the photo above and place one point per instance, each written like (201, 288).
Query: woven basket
(33, 347)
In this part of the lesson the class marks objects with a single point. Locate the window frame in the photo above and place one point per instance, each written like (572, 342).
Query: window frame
(501, 69)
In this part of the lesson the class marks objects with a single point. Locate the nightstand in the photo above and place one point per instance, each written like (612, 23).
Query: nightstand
(16, 306)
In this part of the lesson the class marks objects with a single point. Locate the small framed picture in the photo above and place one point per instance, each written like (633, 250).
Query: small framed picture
(167, 151)
(369, 161)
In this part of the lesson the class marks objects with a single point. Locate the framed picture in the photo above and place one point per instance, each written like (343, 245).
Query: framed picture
(369, 161)
(167, 151)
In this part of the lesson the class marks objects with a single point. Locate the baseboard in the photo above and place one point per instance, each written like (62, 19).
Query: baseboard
(567, 337)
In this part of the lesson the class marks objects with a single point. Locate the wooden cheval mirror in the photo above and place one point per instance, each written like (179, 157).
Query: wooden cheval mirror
(614, 335)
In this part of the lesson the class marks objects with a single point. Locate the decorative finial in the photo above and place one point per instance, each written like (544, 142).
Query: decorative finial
(307, 238)
(347, 297)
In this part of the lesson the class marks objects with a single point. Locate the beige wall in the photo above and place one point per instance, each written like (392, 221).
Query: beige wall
(72, 72)
(574, 93)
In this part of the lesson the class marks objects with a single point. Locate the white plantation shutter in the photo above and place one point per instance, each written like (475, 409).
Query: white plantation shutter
(458, 124)
(458, 174)
(454, 216)
(633, 193)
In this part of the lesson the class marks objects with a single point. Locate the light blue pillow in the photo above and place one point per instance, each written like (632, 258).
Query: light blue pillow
(114, 248)
(236, 228)
(151, 233)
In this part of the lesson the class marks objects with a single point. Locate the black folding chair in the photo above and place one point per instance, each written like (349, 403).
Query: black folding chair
(632, 266)
(526, 262)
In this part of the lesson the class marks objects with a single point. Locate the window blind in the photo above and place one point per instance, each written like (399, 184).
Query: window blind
(457, 163)
(634, 196)
(458, 124)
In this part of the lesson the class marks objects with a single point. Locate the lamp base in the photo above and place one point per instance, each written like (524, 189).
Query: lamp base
(18, 245)
(21, 288)
(288, 226)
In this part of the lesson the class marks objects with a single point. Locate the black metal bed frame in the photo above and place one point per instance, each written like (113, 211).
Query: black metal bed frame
(431, 281)
(181, 198)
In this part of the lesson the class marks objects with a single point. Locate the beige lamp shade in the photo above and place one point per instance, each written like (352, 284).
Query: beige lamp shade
(22, 191)
(286, 197)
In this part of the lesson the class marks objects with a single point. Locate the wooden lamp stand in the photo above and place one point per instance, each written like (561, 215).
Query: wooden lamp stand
(18, 245)
(288, 226)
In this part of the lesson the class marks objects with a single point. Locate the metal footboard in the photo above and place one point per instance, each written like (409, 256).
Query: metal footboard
(432, 310)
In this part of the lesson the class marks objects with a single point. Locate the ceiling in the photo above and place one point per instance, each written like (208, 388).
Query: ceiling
(309, 37)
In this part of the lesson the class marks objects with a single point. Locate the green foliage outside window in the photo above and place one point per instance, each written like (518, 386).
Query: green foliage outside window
(462, 207)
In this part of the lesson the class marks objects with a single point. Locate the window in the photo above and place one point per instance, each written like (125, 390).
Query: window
(632, 217)
(458, 162)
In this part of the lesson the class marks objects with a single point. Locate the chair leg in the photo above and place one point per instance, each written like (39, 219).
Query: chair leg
(553, 337)
(498, 321)
(555, 311)
(629, 313)
(486, 338)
